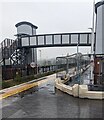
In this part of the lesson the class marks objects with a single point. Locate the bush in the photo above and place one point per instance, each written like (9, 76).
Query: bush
(6, 84)
(28, 78)
(18, 78)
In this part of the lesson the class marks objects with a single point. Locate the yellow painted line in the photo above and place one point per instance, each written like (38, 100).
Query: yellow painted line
(18, 90)
(21, 89)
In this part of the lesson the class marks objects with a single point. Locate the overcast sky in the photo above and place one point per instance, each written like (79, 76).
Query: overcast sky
(50, 17)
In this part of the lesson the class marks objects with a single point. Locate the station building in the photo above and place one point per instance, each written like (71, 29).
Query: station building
(99, 44)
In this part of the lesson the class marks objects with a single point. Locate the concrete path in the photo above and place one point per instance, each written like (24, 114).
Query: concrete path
(49, 102)
(23, 87)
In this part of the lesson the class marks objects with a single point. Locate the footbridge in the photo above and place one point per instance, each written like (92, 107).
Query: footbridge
(11, 48)
(18, 51)
(55, 40)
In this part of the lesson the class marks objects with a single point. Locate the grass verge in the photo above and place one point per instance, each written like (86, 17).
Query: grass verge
(19, 80)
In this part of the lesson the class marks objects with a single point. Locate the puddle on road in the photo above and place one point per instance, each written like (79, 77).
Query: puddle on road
(2, 92)
(48, 84)
(9, 101)
(49, 87)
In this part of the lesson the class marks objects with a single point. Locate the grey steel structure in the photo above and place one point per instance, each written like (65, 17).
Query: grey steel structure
(19, 53)
(55, 40)
(19, 50)
(70, 61)
(28, 29)
(10, 51)
(99, 9)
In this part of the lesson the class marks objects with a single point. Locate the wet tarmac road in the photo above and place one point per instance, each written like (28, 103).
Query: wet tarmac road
(50, 103)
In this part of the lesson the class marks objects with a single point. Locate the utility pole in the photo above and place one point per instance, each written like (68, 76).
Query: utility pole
(67, 65)
(40, 55)
(40, 60)
(78, 62)
(92, 43)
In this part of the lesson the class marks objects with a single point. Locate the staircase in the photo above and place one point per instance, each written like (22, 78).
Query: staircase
(8, 48)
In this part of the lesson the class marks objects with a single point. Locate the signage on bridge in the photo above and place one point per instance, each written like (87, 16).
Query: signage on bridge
(32, 64)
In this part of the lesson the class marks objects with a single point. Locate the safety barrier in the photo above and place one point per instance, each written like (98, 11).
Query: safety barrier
(80, 91)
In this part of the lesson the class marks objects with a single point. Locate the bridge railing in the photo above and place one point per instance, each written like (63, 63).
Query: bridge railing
(52, 40)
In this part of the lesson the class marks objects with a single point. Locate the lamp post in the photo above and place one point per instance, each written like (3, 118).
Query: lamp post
(91, 59)
(40, 55)
(78, 72)
(92, 42)
(67, 65)
(78, 62)
(40, 60)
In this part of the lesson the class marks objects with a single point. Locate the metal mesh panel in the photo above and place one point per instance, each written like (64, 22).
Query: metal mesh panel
(74, 39)
(32, 40)
(25, 41)
(90, 37)
(83, 38)
(57, 39)
(65, 39)
(49, 39)
(40, 40)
